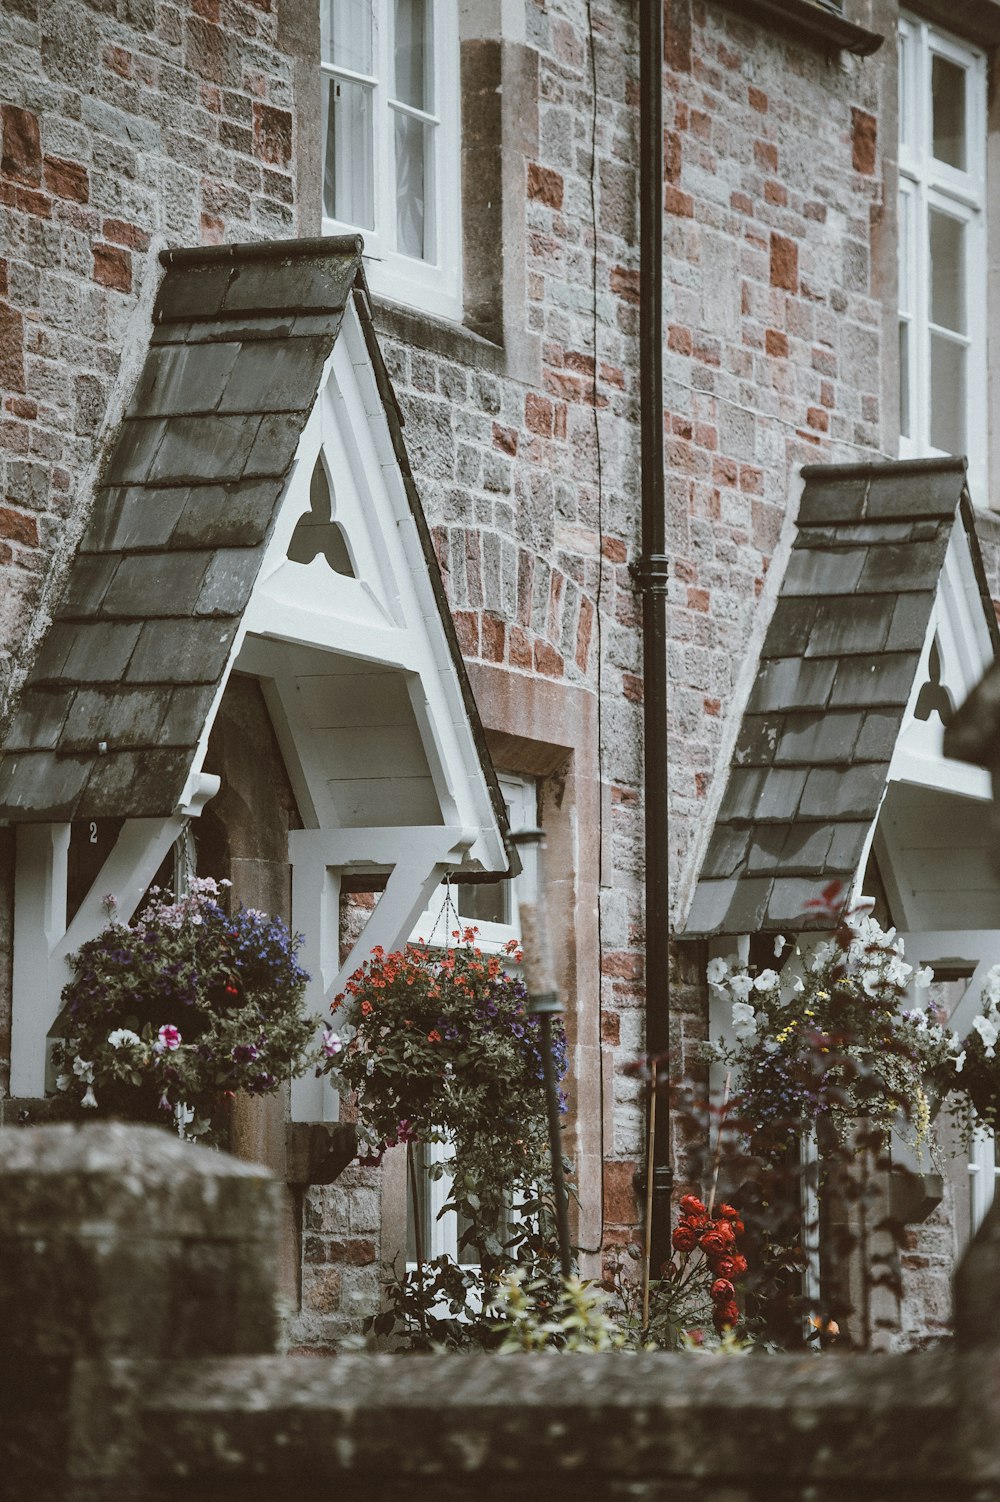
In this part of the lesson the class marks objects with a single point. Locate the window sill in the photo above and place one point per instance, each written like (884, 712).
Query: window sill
(814, 23)
(439, 336)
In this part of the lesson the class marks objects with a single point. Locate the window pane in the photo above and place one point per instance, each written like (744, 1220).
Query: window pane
(948, 361)
(947, 247)
(905, 216)
(346, 34)
(486, 902)
(904, 380)
(348, 168)
(948, 112)
(412, 52)
(411, 139)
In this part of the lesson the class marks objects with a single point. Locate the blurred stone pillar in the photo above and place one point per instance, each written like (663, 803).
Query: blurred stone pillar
(118, 1241)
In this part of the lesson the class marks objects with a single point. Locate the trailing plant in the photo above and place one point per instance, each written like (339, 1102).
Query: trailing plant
(439, 1047)
(168, 1015)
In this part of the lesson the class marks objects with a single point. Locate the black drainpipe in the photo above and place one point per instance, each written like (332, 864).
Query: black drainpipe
(651, 571)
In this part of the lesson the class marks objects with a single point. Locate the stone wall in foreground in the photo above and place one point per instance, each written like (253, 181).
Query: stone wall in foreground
(137, 1302)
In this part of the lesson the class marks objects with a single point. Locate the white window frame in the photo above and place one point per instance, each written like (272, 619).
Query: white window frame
(983, 1174)
(434, 284)
(925, 184)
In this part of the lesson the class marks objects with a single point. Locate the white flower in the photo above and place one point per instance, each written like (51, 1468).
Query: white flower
(767, 980)
(741, 986)
(991, 989)
(63, 1081)
(332, 1043)
(988, 1031)
(780, 945)
(897, 972)
(83, 1069)
(923, 977)
(123, 1035)
(716, 971)
(798, 985)
(871, 980)
(822, 955)
(959, 1062)
(89, 1101)
(744, 1021)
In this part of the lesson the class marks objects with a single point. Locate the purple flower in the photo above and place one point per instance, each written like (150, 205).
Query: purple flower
(245, 1053)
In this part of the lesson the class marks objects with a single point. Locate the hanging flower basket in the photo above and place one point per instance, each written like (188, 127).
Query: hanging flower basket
(168, 1016)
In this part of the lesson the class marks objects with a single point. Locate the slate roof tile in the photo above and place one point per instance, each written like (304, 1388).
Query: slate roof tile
(810, 762)
(150, 779)
(87, 585)
(278, 377)
(41, 785)
(180, 379)
(120, 719)
(274, 445)
(182, 651)
(156, 584)
(225, 516)
(848, 624)
(227, 581)
(783, 681)
(133, 454)
(39, 718)
(209, 448)
(818, 737)
(133, 517)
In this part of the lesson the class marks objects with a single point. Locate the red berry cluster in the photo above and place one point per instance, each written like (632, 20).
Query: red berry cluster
(717, 1240)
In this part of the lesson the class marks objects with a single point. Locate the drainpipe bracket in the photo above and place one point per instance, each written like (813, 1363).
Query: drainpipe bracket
(651, 572)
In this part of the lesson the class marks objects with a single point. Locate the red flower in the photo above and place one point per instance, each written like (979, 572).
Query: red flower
(726, 1212)
(434, 1036)
(367, 1007)
(685, 1238)
(739, 1266)
(722, 1291)
(692, 1206)
(725, 1314)
(715, 1243)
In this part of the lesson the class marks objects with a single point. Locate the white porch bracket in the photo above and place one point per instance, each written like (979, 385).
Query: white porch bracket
(42, 941)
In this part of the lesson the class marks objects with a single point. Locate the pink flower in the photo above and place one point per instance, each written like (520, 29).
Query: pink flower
(332, 1043)
(170, 1036)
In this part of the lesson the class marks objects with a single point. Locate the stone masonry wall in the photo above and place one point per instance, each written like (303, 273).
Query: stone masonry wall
(774, 198)
(125, 125)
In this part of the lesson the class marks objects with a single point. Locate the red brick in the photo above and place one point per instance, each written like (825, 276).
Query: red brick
(11, 349)
(613, 375)
(775, 193)
(3, 278)
(625, 963)
(545, 186)
(67, 179)
(18, 527)
(548, 661)
(119, 61)
(493, 635)
(209, 10)
(614, 550)
(632, 688)
(504, 439)
(213, 230)
(702, 783)
(678, 203)
(766, 155)
(625, 283)
(559, 420)
(22, 406)
(784, 263)
(671, 156)
(29, 201)
(467, 631)
(520, 648)
(677, 36)
(698, 599)
(864, 141)
(576, 360)
(113, 267)
(713, 707)
(679, 339)
(741, 203)
(827, 396)
(751, 479)
(776, 343)
(705, 436)
(818, 418)
(757, 99)
(120, 232)
(272, 135)
(538, 414)
(620, 1203)
(611, 1028)
(725, 472)
(584, 629)
(21, 148)
(816, 211)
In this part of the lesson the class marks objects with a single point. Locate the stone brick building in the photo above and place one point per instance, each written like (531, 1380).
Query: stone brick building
(503, 261)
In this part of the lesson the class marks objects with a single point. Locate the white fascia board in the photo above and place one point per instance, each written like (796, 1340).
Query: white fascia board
(966, 651)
